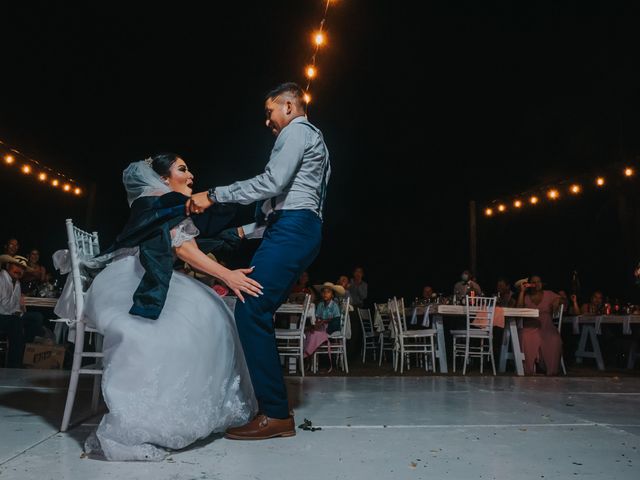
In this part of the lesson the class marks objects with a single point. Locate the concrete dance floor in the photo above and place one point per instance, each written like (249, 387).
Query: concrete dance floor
(440, 427)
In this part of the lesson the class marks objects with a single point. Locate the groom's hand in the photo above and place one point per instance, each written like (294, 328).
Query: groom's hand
(198, 203)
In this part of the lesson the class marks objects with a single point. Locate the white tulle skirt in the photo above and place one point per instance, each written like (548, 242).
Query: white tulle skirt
(167, 382)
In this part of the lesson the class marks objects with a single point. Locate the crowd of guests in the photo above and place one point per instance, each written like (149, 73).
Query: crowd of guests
(540, 340)
(17, 325)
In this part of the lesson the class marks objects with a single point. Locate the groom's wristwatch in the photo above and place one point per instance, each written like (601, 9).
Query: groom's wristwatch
(212, 195)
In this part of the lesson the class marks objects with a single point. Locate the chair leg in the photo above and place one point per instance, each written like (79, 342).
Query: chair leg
(75, 375)
(481, 356)
(433, 355)
(301, 356)
(564, 369)
(97, 379)
(345, 361)
(466, 357)
(381, 340)
(493, 360)
(454, 354)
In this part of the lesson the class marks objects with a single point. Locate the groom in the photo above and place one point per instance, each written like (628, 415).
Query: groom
(292, 191)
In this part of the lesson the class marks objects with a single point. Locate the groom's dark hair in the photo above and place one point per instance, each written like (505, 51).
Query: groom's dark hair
(289, 87)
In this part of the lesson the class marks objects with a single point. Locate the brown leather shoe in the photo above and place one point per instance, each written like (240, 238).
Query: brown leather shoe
(263, 427)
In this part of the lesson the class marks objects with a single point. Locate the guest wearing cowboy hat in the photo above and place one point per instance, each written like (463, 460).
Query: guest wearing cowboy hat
(19, 325)
(327, 317)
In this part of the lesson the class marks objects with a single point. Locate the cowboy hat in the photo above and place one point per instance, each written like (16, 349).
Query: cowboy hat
(16, 260)
(520, 282)
(337, 289)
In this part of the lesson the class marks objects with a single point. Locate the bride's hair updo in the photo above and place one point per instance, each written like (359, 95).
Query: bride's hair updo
(162, 162)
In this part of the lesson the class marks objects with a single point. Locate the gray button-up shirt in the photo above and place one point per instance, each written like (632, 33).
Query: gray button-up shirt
(296, 176)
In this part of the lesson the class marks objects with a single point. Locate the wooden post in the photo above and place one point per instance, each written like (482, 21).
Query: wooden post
(473, 238)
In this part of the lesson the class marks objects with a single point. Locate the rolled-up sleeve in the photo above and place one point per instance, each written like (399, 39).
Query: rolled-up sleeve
(285, 159)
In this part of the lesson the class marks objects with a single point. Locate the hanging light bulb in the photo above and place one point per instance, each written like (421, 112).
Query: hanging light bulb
(9, 159)
(502, 208)
(628, 172)
(26, 169)
(307, 98)
(553, 194)
(533, 200)
(600, 181)
(517, 204)
(319, 38)
(575, 189)
(77, 191)
(488, 212)
(66, 187)
(55, 182)
(42, 177)
(311, 71)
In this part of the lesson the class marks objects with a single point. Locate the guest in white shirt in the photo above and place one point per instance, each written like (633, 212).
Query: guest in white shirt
(18, 324)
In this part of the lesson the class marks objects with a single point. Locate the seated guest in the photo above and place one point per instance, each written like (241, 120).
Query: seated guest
(466, 284)
(327, 318)
(343, 281)
(570, 304)
(36, 273)
(358, 288)
(301, 287)
(595, 305)
(18, 324)
(427, 294)
(540, 340)
(506, 299)
(11, 247)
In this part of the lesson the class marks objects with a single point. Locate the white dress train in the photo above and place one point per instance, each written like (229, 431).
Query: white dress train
(171, 381)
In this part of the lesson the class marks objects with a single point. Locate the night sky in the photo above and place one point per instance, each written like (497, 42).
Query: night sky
(421, 113)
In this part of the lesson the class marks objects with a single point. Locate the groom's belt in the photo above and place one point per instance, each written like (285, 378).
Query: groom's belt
(275, 215)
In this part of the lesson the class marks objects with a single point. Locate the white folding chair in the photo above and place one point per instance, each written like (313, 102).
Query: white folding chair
(290, 341)
(557, 318)
(385, 340)
(368, 335)
(409, 342)
(337, 342)
(479, 312)
(81, 245)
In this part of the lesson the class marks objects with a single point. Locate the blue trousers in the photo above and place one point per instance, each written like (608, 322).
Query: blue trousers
(290, 243)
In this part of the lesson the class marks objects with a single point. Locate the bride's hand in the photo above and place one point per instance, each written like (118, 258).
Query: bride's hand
(238, 281)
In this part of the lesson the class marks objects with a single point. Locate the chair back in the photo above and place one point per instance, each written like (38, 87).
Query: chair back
(396, 318)
(365, 322)
(557, 317)
(344, 317)
(480, 312)
(81, 245)
(382, 309)
(426, 320)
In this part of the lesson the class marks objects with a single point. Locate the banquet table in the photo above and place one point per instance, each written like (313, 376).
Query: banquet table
(504, 317)
(588, 327)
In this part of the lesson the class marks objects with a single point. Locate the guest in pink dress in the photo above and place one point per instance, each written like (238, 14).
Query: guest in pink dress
(540, 340)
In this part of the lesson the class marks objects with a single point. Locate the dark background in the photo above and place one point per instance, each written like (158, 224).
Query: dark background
(421, 112)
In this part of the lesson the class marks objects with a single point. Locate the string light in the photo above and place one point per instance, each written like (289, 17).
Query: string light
(488, 212)
(319, 39)
(28, 166)
(554, 193)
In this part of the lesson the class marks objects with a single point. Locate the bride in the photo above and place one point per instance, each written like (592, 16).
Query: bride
(174, 369)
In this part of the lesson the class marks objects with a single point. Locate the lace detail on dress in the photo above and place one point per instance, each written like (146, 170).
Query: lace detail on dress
(183, 232)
